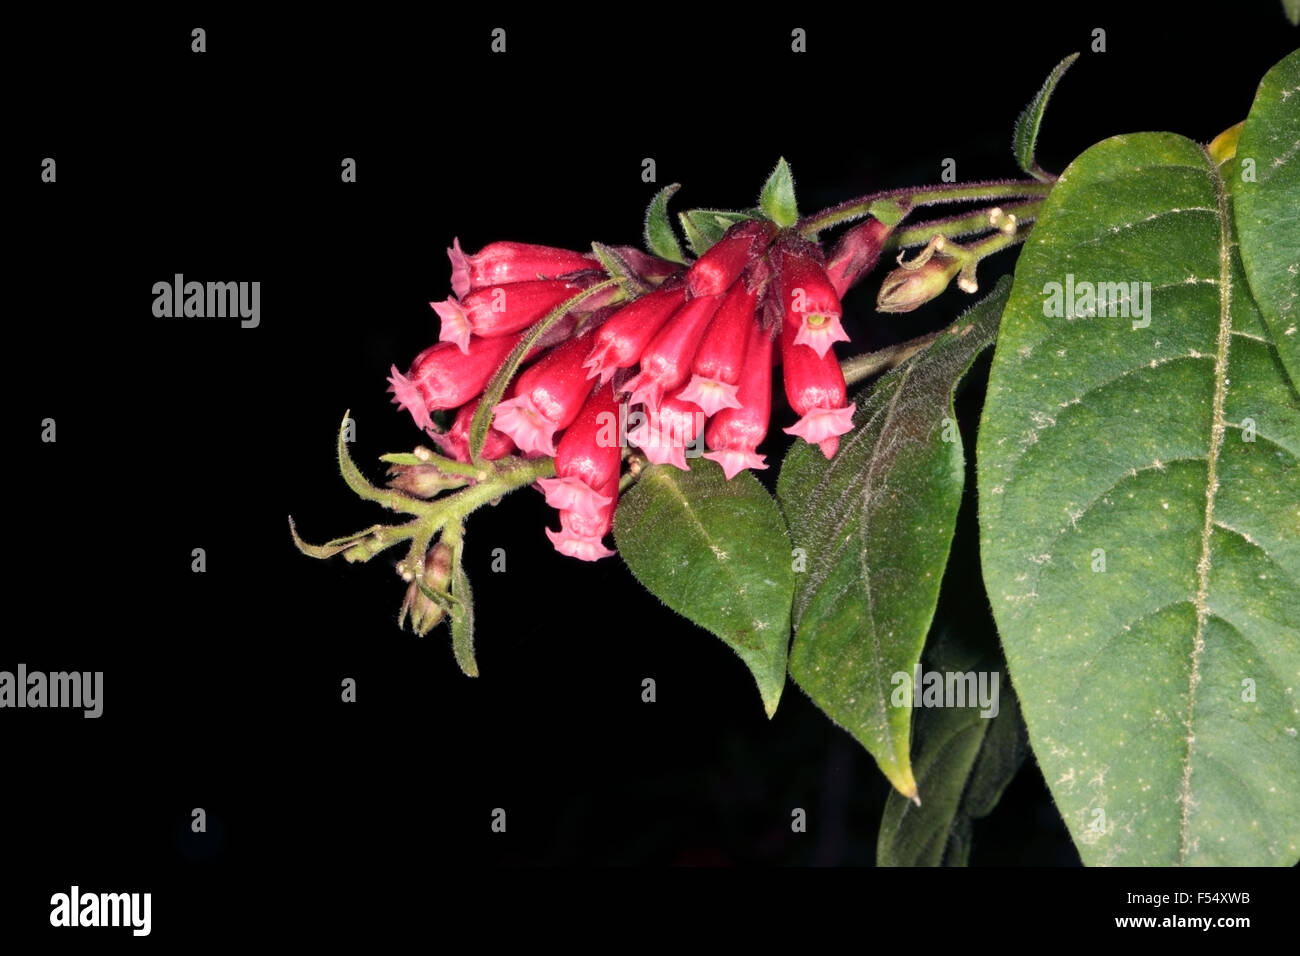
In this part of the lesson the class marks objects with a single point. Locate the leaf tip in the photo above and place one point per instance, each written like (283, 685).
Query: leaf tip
(770, 704)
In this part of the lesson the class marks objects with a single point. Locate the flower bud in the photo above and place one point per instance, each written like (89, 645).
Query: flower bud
(547, 396)
(721, 356)
(423, 481)
(811, 304)
(734, 434)
(505, 262)
(425, 613)
(587, 457)
(815, 387)
(856, 254)
(500, 310)
(913, 284)
(442, 377)
(619, 342)
(666, 361)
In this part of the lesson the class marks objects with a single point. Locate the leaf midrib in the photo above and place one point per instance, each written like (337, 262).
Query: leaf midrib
(666, 480)
(1217, 430)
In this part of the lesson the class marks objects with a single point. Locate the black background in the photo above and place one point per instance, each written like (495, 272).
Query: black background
(222, 689)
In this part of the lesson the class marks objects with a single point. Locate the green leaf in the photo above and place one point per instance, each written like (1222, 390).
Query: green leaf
(704, 227)
(963, 761)
(1158, 692)
(482, 420)
(1025, 138)
(1292, 10)
(777, 198)
(402, 458)
(875, 524)
(716, 552)
(1266, 206)
(462, 614)
(355, 480)
(660, 239)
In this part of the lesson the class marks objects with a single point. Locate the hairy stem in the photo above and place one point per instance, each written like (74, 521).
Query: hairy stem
(882, 360)
(923, 196)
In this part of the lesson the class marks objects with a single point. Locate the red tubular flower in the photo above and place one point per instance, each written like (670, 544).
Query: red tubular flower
(856, 254)
(667, 430)
(722, 263)
(505, 262)
(548, 396)
(580, 535)
(621, 340)
(442, 377)
(811, 304)
(454, 443)
(587, 457)
(815, 386)
(721, 356)
(666, 361)
(500, 310)
(734, 434)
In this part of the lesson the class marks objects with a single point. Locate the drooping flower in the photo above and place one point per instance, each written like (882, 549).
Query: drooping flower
(811, 304)
(722, 263)
(580, 535)
(505, 262)
(587, 457)
(815, 387)
(547, 396)
(734, 434)
(619, 342)
(721, 357)
(443, 377)
(666, 430)
(500, 310)
(666, 361)
(454, 442)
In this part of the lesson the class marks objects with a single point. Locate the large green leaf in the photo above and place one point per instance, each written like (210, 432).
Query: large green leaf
(1266, 206)
(875, 525)
(1140, 520)
(717, 552)
(964, 759)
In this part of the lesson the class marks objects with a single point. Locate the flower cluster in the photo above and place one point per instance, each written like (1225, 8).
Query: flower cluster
(684, 353)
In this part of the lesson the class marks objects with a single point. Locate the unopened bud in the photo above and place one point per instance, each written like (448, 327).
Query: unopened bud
(911, 285)
(424, 611)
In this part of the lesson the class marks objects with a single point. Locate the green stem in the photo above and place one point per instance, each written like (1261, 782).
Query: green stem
(963, 225)
(871, 363)
(923, 196)
(511, 474)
